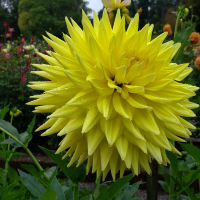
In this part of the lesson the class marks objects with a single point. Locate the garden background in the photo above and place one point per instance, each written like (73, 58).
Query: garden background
(22, 24)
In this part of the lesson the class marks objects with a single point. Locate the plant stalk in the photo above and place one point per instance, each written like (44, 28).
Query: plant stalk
(172, 184)
(11, 121)
(176, 25)
(97, 184)
(75, 192)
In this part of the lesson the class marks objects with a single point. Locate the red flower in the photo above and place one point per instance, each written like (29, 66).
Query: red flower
(28, 61)
(19, 50)
(5, 24)
(32, 40)
(44, 52)
(22, 77)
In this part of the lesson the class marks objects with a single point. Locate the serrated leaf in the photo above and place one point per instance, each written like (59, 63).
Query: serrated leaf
(7, 127)
(164, 186)
(87, 197)
(49, 194)
(192, 150)
(114, 188)
(30, 168)
(12, 175)
(33, 185)
(131, 190)
(75, 174)
(55, 185)
(31, 126)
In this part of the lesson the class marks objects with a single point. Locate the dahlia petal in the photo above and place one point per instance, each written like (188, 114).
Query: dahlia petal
(69, 152)
(112, 129)
(128, 159)
(139, 143)
(135, 159)
(96, 160)
(74, 33)
(144, 162)
(188, 104)
(81, 147)
(58, 41)
(166, 45)
(122, 146)
(100, 87)
(50, 60)
(135, 89)
(121, 106)
(91, 119)
(133, 26)
(107, 25)
(69, 140)
(45, 109)
(133, 128)
(74, 124)
(43, 86)
(122, 168)
(89, 163)
(155, 98)
(158, 85)
(117, 22)
(105, 152)
(47, 124)
(184, 74)
(120, 76)
(44, 74)
(146, 121)
(84, 99)
(95, 22)
(144, 80)
(150, 33)
(58, 125)
(154, 151)
(94, 137)
(82, 158)
(113, 163)
(78, 78)
(171, 136)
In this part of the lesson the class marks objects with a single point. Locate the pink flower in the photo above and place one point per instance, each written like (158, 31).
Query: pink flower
(44, 52)
(0, 47)
(8, 35)
(32, 40)
(11, 30)
(7, 55)
(26, 69)
(34, 54)
(25, 51)
(23, 40)
(22, 77)
(19, 50)
(196, 50)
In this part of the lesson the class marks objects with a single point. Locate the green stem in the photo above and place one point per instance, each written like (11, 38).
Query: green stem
(6, 166)
(97, 184)
(29, 153)
(11, 121)
(75, 192)
(176, 25)
(171, 184)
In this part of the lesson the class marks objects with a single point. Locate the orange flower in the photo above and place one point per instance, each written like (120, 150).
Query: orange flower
(140, 11)
(197, 62)
(194, 37)
(167, 28)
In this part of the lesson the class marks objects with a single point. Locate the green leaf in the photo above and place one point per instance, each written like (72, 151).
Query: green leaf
(4, 111)
(49, 194)
(11, 142)
(173, 161)
(69, 194)
(87, 197)
(55, 185)
(31, 126)
(131, 190)
(33, 185)
(162, 168)
(183, 37)
(192, 150)
(114, 188)
(12, 175)
(164, 186)
(75, 174)
(51, 172)
(30, 168)
(7, 127)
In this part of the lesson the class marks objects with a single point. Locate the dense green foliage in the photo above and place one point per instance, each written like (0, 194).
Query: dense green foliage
(36, 17)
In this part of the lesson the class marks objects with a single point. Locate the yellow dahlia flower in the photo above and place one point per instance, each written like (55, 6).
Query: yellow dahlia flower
(113, 5)
(114, 95)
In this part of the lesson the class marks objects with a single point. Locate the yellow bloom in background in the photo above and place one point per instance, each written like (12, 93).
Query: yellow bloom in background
(113, 5)
(15, 112)
(186, 12)
(114, 95)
